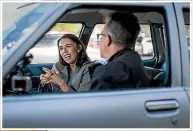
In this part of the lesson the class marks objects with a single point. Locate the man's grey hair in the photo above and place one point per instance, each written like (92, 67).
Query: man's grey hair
(123, 28)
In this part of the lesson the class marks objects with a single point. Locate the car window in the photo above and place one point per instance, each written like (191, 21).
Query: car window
(188, 34)
(143, 43)
(92, 47)
(186, 13)
(46, 50)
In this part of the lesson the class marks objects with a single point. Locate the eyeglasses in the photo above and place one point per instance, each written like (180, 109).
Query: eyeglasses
(99, 37)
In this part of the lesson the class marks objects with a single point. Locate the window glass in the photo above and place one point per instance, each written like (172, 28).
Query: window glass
(188, 37)
(46, 50)
(93, 48)
(186, 14)
(143, 43)
(20, 20)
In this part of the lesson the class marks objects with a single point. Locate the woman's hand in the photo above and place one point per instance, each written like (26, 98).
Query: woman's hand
(44, 78)
(54, 77)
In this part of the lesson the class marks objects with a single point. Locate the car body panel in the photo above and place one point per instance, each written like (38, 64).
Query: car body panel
(187, 89)
(96, 110)
(183, 43)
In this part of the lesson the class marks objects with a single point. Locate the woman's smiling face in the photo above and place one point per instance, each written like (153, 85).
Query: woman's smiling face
(68, 50)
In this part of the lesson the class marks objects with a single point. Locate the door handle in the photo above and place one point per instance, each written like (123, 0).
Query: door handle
(161, 105)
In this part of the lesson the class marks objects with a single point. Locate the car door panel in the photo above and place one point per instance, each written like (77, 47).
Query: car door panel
(187, 89)
(97, 109)
(183, 41)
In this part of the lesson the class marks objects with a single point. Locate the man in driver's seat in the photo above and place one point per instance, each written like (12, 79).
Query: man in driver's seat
(125, 68)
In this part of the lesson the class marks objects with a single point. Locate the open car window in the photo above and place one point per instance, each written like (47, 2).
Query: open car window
(155, 56)
(46, 50)
(143, 45)
(186, 13)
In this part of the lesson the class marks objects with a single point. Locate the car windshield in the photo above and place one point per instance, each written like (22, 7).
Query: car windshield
(10, 17)
(22, 20)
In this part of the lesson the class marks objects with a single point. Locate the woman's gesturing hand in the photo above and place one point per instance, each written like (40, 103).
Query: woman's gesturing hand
(52, 77)
(44, 78)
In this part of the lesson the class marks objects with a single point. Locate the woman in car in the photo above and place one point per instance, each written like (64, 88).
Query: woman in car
(71, 73)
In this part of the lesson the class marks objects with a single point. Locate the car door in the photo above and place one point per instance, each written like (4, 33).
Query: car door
(154, 108)
(135, 108)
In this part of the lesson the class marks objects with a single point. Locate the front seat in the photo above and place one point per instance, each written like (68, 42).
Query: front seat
(157, 76)
(94, 65)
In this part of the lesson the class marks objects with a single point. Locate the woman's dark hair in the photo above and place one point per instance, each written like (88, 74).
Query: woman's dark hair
(82, 55)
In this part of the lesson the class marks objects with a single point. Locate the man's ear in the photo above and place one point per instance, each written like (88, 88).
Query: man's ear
(109, 40)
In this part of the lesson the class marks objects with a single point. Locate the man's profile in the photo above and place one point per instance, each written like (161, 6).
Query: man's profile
(125, 68)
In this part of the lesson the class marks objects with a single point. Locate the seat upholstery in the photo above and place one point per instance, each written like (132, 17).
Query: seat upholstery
(94, 65)
(157, 76)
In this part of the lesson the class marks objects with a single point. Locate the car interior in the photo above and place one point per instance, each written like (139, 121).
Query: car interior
(157, 67)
